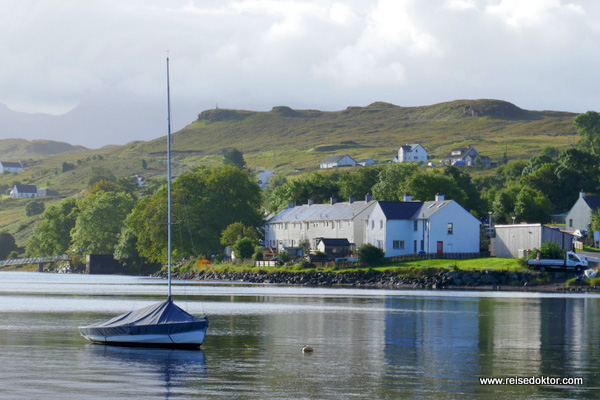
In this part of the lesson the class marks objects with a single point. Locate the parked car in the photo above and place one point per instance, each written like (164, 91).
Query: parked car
(580, 233)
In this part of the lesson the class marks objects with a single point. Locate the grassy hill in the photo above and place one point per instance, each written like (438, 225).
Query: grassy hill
(287, 139)
(290, 141)
(21, 149)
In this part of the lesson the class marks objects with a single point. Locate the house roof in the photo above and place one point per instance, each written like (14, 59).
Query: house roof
(411, 209)
(400, 209)
(25, 188)
(334, 158)
(366, 160)
(409, 146)
(592, 201)
(335, 242)
(9, 164)
(321, 212)
(463, 152)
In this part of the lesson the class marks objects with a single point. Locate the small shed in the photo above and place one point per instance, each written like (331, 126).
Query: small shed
(512, 240)
(334, 247)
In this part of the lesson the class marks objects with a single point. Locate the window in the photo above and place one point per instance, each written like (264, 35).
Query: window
(450, 228)
(380, 224)
(398, 244)
(415, 225)
(332, 224)
(372, 224)
(380, 244)
(307, 226)
(286, 226)
(422, 245)
(340, 225)
(570, 223)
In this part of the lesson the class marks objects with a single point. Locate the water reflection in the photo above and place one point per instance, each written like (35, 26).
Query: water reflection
(170, 369)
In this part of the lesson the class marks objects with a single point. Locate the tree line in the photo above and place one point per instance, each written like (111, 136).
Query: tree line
(110, 219)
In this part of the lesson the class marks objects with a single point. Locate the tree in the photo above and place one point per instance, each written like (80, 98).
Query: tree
(237, 230)
(473, 201)
(100, 173)
(99, 222)
(425, 185)
(359, 183)
(369, 254)
(234, 157)
(588, 128)
(125, 249)
(244, 248)
(391, 184)
(532, 206)
(67, 167)
(205, 202)
(34, 208)
(595, 221)
(52, 234)
(7, 245)
(144, 164)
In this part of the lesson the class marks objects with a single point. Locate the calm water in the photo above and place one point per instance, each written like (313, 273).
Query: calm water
(368, 344)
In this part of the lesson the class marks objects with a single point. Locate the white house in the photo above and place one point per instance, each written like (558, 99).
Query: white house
(6, 166)
(397, 227)
(580, 215)
(337, 160)
(313, 222)
(410, 227)
(466, 156)
(21, 191)
(411, 153)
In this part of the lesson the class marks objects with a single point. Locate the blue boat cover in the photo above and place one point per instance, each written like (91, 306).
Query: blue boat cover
(162, 318)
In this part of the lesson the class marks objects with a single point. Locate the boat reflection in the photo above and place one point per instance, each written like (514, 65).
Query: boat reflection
(169, 368)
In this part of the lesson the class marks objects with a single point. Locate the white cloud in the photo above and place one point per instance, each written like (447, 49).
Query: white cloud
(531, 12)
(328, 54)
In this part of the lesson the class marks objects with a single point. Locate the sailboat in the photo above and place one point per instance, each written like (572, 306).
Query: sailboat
(162, 324)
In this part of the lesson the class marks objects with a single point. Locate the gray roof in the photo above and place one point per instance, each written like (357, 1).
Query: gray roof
(321, 212)
(9, 164)
(410, 146)
(430, 207)
(411, 209)
(25, 188)
(334, 158)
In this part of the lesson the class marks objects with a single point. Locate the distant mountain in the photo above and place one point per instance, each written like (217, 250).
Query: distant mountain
(297, 139)
(93, 123)
(20, 149)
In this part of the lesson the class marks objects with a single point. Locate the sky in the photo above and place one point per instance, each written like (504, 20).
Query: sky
(102, 63)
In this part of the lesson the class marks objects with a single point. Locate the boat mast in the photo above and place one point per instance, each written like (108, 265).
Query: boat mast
(169, 250)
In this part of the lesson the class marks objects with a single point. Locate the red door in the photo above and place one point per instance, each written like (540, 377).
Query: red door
(440, 247)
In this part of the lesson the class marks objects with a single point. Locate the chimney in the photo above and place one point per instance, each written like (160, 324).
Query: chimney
(351, 199)
(407, 197)
(333, 200)
(290, 204)
(581, 194)
(439, 197)
(368, 198)
(311, 202)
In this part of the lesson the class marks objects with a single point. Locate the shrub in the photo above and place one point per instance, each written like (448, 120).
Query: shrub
(549, 250)
(244, 248)
(369, 254)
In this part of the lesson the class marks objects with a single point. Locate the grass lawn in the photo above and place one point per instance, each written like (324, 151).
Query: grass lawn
(491, 263)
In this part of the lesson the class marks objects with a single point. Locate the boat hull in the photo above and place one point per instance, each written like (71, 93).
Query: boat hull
(180, 339)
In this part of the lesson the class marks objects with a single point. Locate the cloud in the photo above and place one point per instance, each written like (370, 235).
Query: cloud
(326, 54)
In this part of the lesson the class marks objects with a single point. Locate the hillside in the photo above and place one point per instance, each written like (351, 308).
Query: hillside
(287, 139)
(21, 149)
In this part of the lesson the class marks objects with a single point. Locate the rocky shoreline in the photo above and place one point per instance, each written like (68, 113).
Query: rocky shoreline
(446, 280)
